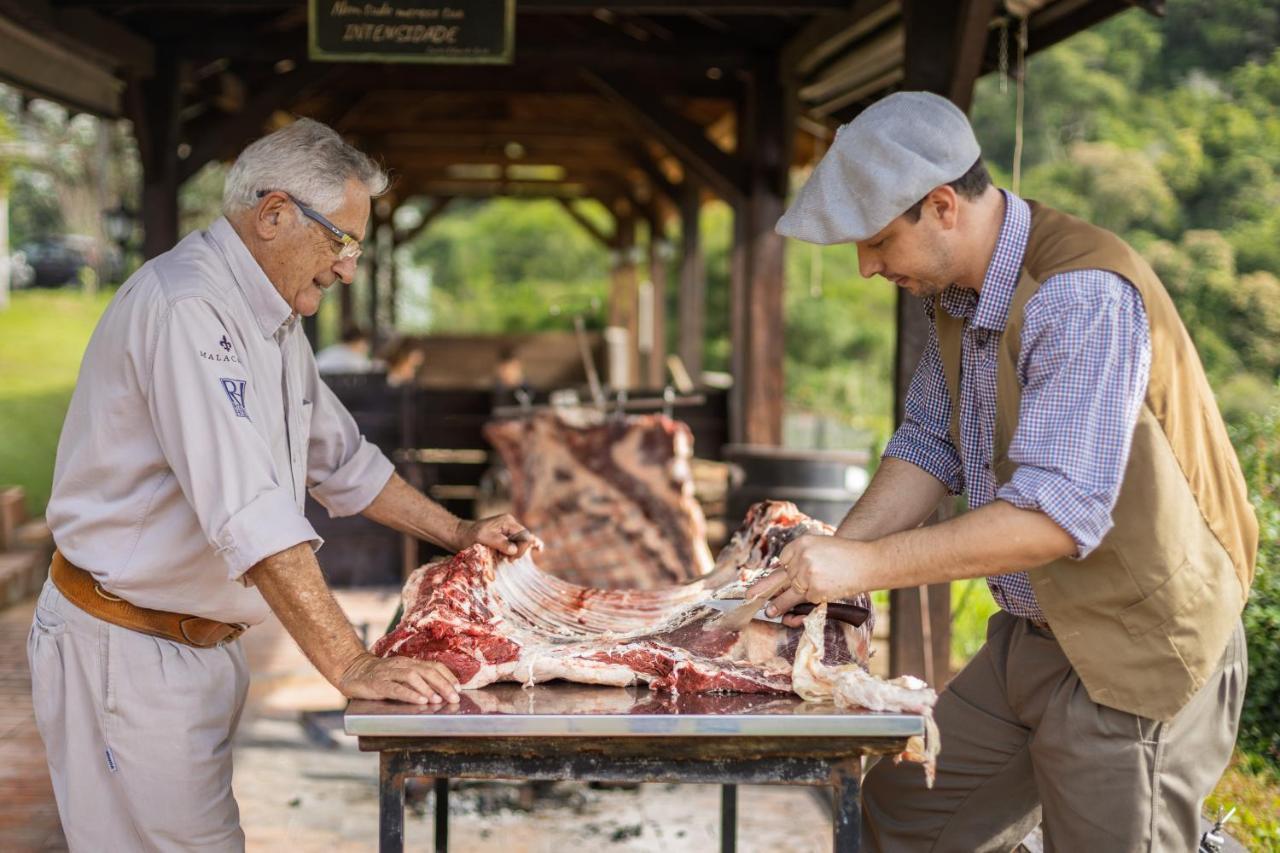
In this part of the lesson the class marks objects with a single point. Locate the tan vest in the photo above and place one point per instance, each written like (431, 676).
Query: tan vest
(1146, 616)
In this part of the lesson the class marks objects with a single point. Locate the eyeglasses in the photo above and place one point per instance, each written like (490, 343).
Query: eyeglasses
(348, 246)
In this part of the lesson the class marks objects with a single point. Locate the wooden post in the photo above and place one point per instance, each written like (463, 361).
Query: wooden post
(739, 334)
(624, 293)
(758, 308)
(346, 310)
(372, 277)
(656, 368)
(154, 107)
(944, 49)
(693, 282)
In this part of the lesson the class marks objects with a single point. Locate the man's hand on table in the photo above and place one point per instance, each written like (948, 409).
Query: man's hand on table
(502, 533)
(400, 678)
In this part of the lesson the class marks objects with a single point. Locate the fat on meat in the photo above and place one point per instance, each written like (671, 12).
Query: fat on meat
(490, 619)
(851, 686)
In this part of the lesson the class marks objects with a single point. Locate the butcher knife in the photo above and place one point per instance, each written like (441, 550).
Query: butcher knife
(737, 618)
(853, 614)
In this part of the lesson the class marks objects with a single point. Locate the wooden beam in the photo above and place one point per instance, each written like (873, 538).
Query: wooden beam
(693, 284)
(656, 366)
(432, 213)
(40, 66)
(824, 37)
(646, 164)
(153, 106)
(687, 140)
(767, 122)
(608, 241)
(676, 7)
(553, 7)
(132, 53)
(945, 45)
(224, 136)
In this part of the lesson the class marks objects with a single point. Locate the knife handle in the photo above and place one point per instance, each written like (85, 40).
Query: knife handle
(851, 614)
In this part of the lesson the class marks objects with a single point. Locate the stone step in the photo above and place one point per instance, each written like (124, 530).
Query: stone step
(34, 535)
(22, 573)
(13, 513)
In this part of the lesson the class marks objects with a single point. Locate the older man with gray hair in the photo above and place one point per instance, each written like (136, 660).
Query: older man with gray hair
(198, 425)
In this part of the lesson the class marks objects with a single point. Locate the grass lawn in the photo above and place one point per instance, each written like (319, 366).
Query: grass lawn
(43, 334)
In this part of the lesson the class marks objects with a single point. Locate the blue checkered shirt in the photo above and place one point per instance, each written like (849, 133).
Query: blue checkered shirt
(1083, 367)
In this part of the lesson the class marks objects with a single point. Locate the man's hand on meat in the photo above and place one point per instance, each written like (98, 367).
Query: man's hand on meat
(502, 533)
(992, 540)
(406, 509)
(821, 569)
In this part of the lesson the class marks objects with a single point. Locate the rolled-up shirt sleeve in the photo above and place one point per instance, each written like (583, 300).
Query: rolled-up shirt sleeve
(344, 471)
(924, 437)
(1084, 365)
(202, 412)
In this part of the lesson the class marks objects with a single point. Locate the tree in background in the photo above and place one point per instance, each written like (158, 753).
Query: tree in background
(1157, 131)
(78, 166)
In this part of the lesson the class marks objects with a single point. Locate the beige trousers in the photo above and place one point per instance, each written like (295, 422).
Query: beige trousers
(138, 732)
(1022, 743)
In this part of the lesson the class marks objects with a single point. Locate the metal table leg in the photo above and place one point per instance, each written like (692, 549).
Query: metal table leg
(728, 818)
(442, 814)
(391, 803)
(846, 778)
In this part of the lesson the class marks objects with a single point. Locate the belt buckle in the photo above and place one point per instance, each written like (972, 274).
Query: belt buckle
(240, 628)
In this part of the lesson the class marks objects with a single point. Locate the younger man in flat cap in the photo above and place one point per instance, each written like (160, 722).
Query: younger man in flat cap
(1058, 390)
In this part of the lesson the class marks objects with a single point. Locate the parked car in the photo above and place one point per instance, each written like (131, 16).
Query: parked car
(20, 272)
(58, 260)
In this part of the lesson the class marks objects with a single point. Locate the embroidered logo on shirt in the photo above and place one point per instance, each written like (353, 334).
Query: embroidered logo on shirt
(235, 393)
(221, 357)
(225, 344)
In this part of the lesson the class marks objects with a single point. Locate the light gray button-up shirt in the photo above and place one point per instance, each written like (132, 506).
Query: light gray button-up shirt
(197, 424)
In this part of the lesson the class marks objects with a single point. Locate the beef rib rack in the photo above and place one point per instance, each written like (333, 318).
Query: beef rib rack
(490, 619)
(612, 497)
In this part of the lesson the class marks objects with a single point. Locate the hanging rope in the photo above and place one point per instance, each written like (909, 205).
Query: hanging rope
(1020, 100)
(815, 251)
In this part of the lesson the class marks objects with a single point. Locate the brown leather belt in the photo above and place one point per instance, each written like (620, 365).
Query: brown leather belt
(1042, 627)
(83, 591)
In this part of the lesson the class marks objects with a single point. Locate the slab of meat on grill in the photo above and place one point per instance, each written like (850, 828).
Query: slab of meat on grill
(494, 620)
(612, 499)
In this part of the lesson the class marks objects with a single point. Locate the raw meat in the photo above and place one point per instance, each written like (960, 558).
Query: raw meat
(851, 686)
(507, 621)
(612, 497)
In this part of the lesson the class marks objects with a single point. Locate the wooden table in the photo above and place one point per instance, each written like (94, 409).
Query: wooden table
(583, 733)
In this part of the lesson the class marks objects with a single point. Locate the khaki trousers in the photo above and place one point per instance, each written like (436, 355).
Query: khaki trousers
(1022, 743)
(138, 732)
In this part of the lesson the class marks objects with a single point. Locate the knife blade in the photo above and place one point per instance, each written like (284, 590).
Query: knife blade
(851, 614)
(728, 605)
(737, 619)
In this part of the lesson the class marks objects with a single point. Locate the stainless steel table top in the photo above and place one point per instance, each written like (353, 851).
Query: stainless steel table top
(575, 710)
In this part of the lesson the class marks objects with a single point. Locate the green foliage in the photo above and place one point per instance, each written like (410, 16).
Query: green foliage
(1257, 440)
(1168, 132)
(1252, 788)
(511, 266)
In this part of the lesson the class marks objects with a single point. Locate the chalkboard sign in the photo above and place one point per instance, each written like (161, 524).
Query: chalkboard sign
(461, 31)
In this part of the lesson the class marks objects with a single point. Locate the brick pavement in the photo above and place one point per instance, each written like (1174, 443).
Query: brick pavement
(28, 813)
(297, 795)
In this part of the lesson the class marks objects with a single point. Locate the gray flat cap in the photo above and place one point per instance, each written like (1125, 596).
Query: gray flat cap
(892, 155)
